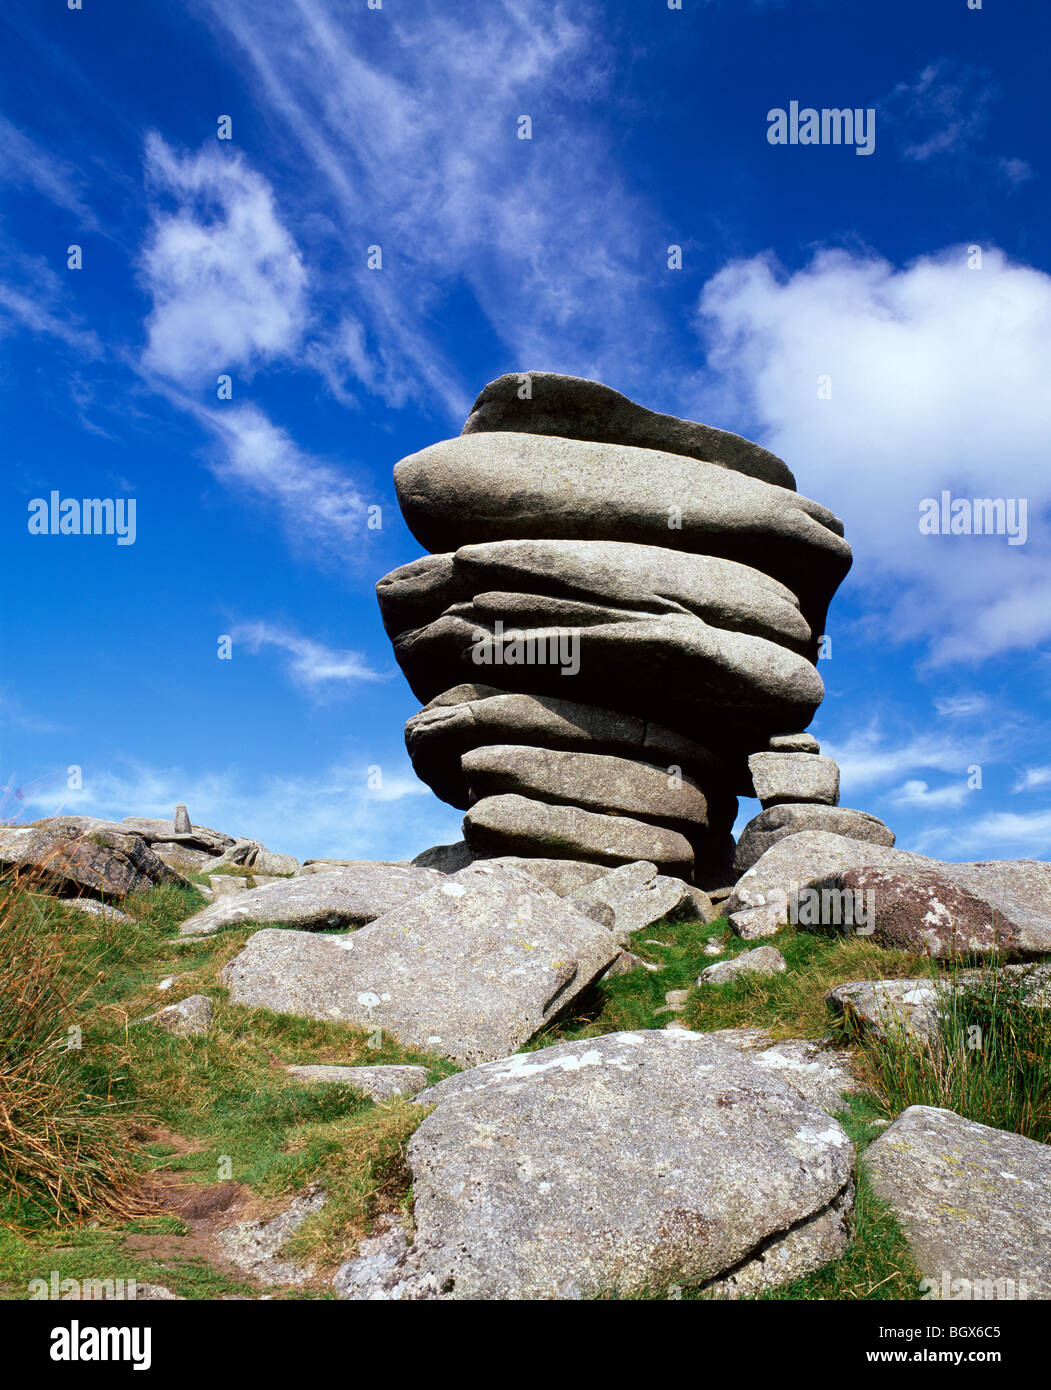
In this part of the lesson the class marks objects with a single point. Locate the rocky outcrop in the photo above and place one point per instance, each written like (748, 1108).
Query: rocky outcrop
(643, 599)
(76, 856)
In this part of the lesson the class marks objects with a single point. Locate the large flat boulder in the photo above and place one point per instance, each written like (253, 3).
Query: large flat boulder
(765, 829)
(348, 897)
(562, 876)
(974, 1204)
(615, 1165)
(574, 408)
(512, 824)
(505, 486)
(610, 573)
(71, 859)
(592, 781)
(470, 970)
(673, 670)
(471, 716)
(1017, 892)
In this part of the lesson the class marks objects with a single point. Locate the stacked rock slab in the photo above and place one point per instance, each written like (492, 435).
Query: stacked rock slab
(618, 610)
(798, 790)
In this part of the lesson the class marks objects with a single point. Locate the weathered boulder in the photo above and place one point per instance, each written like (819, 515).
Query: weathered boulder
(381, 1082)
(347, 897)
(505, 486)
(517, 825)
(763, 960)
(974, 1204)
(70, 861)
(603, 574)
(592, 781)
(573, 408)
(257, 1246)
(614, 1165)
(639, 896)
(929, 911)
(794, 743)
(225, 885)
(775, 824)
(794, 777)
(1018, 891)
(250, 854)
(470, 970)
(673, 669)
(562, 876)
(473, 716)
(181, 857)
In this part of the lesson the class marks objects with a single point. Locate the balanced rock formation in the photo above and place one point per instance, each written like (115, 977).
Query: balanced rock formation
(615, 634)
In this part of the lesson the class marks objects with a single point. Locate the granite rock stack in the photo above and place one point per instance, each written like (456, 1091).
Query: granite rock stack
(615, 633)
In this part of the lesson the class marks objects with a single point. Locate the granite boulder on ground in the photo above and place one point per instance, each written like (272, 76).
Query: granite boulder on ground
(778, 822)
(911, 1008)
(783, 882)
(974, 1204)
(469, 970)
(615, 1165)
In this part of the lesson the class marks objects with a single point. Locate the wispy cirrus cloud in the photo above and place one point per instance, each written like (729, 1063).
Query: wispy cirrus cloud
(324, 513)
(27, 164)
(412, 136)
(1033, 779)
(314, 667)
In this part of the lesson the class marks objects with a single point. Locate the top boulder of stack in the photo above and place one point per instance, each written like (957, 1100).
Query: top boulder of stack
(572, 408)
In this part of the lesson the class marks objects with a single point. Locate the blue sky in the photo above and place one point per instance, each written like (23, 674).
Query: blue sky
(397, 127)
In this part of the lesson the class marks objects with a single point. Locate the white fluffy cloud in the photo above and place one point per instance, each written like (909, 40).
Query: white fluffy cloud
(225, 277)
(937, 382)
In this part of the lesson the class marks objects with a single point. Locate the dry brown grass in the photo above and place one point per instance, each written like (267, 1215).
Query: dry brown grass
(65, 1154)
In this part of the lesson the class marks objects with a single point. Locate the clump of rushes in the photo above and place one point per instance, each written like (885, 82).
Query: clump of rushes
(989, 1059)
(65, 1152)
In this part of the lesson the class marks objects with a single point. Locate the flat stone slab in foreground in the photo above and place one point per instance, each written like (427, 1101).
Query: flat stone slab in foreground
(974, 1203)
(470, 970)
(616, 1164)
(347, 897)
